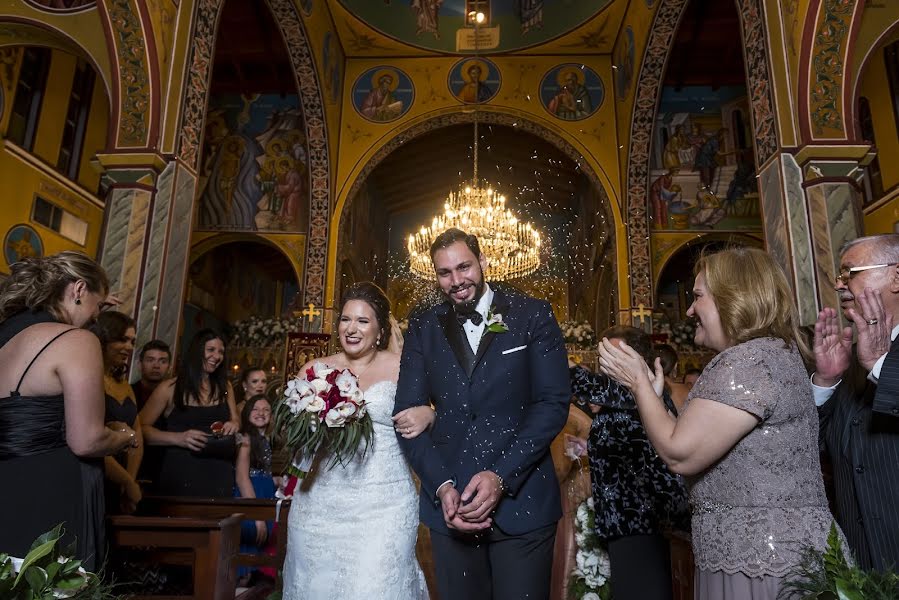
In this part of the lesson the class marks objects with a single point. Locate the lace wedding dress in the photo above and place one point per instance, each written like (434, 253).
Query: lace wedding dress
(352, 530)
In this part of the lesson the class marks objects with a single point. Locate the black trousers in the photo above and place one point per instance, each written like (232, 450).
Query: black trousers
(641, 567)
(494, 565)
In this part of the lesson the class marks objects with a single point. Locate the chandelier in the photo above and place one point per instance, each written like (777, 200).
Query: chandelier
(512, 248)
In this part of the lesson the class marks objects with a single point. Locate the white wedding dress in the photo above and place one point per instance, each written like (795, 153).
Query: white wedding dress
(352, 532)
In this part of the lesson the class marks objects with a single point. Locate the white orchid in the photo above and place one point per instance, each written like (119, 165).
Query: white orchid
(316, 405)
(346, 382)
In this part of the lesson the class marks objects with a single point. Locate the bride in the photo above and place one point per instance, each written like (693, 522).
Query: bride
(352, 529)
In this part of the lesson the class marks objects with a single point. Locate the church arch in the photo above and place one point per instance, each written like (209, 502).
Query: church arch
(580, 156)
(195, 103)
(647, 96)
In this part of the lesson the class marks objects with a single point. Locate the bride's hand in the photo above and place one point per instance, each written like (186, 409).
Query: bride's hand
(410, 423)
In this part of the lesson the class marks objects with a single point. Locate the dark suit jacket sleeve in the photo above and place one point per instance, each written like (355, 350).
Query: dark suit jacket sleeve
(412, 390)
(547, 410)
(886, 398)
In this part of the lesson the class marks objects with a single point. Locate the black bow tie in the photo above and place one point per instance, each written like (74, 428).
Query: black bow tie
(473, 316)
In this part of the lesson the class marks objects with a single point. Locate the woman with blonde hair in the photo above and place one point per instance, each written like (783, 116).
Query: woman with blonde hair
(747, 439)
(52, 431)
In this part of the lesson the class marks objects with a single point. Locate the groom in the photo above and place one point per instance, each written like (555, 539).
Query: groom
(494, 366)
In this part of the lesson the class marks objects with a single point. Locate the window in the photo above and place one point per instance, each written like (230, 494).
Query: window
(866, 125)
(76, 120)
(59, 220)
(891, 58)
(477, 6)
(29, 93)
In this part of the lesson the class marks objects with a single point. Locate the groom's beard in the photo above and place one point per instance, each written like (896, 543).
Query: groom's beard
(467, 305)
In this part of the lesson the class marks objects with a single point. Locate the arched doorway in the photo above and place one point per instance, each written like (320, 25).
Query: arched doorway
(647, 93)
(545, 180)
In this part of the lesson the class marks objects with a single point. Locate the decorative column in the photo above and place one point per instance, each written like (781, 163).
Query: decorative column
(146, 240)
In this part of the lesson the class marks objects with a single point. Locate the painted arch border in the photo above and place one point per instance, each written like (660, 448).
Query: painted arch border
(194, 106)
(493, 115)
(646, 101)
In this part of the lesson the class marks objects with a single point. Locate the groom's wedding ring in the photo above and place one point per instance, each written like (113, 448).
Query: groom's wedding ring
(871, 321)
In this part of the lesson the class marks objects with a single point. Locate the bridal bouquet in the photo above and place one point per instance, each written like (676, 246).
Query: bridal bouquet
(323, 408)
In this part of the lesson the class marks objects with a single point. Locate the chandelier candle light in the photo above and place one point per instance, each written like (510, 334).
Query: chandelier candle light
(512, 248)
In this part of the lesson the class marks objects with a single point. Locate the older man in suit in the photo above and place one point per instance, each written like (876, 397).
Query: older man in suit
(857, 390)
(493, 363)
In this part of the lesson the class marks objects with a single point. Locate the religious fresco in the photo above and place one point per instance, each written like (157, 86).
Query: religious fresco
(332, 66)
(254, 175)
(474, 80)
(703, 171)
(441, 24)
(383, 94)
(571, 92)
(625, 63)
(21, 242)
(63, 5)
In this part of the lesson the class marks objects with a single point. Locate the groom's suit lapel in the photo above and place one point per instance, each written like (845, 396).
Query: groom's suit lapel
(500, 306)
(455, 335)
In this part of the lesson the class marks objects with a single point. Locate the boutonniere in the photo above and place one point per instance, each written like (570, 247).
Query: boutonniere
(495, 322)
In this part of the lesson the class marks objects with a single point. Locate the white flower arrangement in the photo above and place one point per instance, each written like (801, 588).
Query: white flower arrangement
(590, 577)
(682, 334)
(579, 333)
(260, 333)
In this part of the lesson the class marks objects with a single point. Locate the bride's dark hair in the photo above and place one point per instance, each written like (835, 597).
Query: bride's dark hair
(375, 297)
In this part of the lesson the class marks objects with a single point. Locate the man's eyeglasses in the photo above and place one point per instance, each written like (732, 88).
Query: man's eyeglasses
(847, 273)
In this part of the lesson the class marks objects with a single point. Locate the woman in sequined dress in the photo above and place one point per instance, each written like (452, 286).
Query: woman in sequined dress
(635, 496)
(747, 439)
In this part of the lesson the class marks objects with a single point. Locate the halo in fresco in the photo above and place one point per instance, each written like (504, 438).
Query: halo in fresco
(474, 80)
(22, 241)
(571, 91)
(624, 63)
(439, 24)
(383, 94)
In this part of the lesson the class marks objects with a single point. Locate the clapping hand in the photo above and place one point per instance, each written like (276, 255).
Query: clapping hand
(874, 326)
(832, 346)
(623, 364)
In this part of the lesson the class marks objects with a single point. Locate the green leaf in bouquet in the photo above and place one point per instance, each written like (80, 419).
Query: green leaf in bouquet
(70, 566)
(846, 590)
(52, 535)
(53, 569)
(36, 578)
(35, 555)
(72, 582)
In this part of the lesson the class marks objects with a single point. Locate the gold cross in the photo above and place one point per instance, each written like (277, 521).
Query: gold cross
(311, 312)
(642, 313)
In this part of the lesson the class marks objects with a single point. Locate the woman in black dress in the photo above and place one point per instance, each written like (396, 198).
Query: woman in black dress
(635, 496)
(52, 432)
(116, 333)
(200, 423)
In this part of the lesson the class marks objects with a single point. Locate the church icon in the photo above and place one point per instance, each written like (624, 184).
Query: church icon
(22, 242)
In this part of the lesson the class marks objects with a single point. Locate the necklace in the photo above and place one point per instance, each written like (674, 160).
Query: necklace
(360, 372)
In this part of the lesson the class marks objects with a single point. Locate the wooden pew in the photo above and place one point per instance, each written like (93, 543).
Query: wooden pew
(213, 508)
(207, 545)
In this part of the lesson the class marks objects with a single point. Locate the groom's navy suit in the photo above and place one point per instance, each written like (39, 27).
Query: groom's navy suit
(497, 410)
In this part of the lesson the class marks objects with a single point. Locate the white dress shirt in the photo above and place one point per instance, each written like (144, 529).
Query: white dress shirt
(823, 394)
(473, 332)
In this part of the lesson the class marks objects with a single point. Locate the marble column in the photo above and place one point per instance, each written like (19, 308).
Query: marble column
(146, 239)
(810, 203)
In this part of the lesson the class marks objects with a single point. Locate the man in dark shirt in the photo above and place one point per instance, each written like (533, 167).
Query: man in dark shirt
(155, 358)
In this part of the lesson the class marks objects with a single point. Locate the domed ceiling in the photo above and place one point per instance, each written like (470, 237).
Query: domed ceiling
(439, 25)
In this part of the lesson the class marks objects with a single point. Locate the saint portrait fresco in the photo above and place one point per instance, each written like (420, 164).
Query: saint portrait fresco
(474, 80)
(383, 94)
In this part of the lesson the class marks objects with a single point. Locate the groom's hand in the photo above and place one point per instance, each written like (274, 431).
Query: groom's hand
(480, 496)
(450, 501)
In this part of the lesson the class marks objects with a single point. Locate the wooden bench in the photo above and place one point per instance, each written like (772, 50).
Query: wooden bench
(208, 545)
(214, 508)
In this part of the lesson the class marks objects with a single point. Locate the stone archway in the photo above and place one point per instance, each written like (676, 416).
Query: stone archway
(516, 121)
(195, 103)
(647, 95)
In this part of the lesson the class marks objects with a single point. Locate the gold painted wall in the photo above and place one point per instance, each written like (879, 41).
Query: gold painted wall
(21, 178)
(875, 87)
(24, 175)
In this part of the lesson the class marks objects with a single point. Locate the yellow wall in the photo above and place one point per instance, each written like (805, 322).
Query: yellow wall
(51, 119)
(21, 177)
(875, 87)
